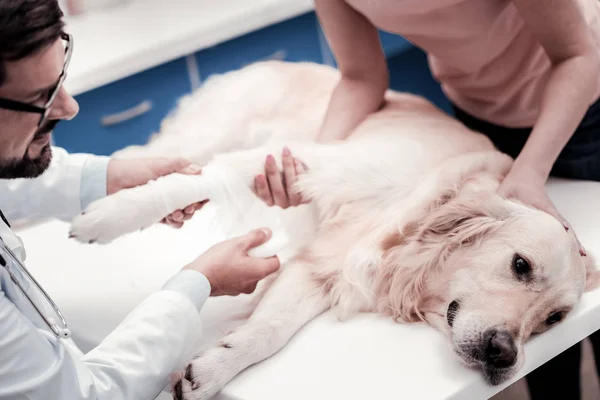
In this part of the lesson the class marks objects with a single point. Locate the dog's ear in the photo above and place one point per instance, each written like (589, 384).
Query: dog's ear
(415, 256)
(592, 274)
(464, 219)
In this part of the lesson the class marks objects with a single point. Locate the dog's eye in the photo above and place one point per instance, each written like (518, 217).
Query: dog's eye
(520, 266)
(554, 318)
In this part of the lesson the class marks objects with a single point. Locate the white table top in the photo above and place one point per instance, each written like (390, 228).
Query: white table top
(365, 357)
(119, 41)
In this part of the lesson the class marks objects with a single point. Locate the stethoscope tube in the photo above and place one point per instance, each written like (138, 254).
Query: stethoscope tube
(60, 331)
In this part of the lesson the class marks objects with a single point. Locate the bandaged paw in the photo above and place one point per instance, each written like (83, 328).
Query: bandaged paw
(238, 210)
(133, 209)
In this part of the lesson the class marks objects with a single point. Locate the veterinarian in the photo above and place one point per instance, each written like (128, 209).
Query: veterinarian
(38, 360)
(525, 73)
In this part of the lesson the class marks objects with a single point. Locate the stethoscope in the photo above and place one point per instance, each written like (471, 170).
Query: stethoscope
(13, 265)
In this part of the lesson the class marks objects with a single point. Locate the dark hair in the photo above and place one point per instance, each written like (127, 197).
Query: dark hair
(26, 27)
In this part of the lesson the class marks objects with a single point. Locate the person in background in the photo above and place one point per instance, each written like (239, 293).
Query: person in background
(526, 73)
(38, 360)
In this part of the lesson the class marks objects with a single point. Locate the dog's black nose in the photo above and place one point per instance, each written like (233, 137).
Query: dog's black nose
(501, 351)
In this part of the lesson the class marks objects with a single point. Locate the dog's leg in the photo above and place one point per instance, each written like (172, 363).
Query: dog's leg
(133, 209)
(292, 301)
(226, 181)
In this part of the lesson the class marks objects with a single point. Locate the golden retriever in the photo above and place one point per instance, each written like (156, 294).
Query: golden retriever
(404, 220)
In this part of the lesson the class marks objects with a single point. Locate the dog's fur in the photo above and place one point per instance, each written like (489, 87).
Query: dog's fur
(405, 212)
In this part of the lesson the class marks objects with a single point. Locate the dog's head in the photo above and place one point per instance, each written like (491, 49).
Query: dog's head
(488, 272)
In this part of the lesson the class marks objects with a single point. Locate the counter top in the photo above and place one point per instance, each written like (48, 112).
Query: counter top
(366, 357)
(123, 40)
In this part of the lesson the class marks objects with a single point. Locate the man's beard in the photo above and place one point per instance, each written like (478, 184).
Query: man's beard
(27, 167)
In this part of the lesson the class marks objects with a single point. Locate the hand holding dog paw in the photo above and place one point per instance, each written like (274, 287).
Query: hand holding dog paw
(277, 188)
(126, 174)
(229, 268)
(530, 189)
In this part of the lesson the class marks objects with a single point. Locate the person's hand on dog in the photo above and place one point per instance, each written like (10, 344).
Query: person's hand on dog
(126, 174)
(277, 188)
(229, 268)
(530, 188)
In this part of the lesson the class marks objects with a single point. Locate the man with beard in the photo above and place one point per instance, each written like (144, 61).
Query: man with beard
(38, 360)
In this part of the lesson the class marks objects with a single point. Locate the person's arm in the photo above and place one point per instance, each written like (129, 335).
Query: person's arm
(562, 30)
(356, 47)
(73, 181)
(133, 362)
(364, 79)
(137, 359)
(70, 183)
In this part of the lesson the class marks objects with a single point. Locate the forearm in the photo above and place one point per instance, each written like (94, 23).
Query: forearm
(156, 339)
(351, 102)
(356, 46)
(569, 93)
(133, 362)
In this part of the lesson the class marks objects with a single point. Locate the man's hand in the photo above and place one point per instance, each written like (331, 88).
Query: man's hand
(276, 188)
(125, 174)
(229, 268)
(529, 187)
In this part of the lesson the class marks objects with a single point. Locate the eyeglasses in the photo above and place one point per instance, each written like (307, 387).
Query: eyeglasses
(43, 111)
(21, 277)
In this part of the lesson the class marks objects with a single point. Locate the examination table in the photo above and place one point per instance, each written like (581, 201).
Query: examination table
(366, 357)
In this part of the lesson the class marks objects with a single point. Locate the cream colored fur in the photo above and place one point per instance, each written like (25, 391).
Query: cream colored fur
(404, 219)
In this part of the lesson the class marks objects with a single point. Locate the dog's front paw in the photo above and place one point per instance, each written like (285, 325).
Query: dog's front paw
(113, 216)
(205, 376)
(130, 210)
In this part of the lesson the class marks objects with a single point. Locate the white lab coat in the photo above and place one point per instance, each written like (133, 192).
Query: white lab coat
(134, 362)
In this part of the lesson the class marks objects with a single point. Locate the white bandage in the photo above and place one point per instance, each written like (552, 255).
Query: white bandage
(176, 192)
(239, 211)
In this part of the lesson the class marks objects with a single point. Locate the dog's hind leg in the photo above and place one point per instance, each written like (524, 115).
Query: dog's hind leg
(293, 300)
